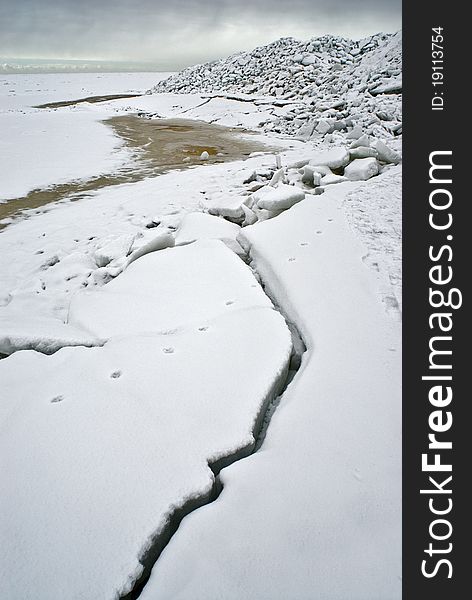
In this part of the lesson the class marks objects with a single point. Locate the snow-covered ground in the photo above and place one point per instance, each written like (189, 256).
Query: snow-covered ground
(122, 434)
(39, 148)
(316, 512)
(145, 351)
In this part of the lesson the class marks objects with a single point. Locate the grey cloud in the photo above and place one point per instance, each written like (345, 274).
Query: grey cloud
(175, 33)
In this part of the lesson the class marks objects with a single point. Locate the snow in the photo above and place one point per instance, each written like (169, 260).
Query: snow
(20, 332)
(197, 226)
(361, 169)
(168, 290)
(334, 159)
(330, 179)
(374, 213)
(225, 207)
(363, 152)
(77, 145)
(46, 258)
(21, 91)
(280, 198)
(318, 87)
(158, 242)
(64, 154)
(360, 141)
(112, 248)
(328, 514)
(386, 154)
(101, 445)
(164, 358)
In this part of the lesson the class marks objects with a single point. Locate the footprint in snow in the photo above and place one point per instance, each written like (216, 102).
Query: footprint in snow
(203, 329)
(291, 259)
(115, 374)
(229, 302)
(357, 475)
(304, 244)
(57, 399)
(168, 350)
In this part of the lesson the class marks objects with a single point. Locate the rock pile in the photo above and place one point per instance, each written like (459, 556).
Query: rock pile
(269, 192)
(319, 87)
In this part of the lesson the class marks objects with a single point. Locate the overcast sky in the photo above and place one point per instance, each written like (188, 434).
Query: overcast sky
(177, 33)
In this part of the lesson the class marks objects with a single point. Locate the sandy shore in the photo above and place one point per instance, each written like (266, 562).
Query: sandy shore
(158, 145)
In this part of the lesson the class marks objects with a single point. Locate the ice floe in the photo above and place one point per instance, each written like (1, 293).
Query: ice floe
(104, 446)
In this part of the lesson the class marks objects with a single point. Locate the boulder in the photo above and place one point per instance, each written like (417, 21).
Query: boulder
(324, 127)
(361, 169)
(355, 133)
(310, 176)
(386, 154)
(363, 152)
(363, 140)
(332, 179)
(279, 198)
(321, 169)
(334, 158)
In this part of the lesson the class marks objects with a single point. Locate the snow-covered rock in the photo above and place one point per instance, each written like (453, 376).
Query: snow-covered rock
(355, 133)
(223, 206)
(361, 169)
(279, 198)
(330, 179)
(362, 141)
(324, 126)
(363, 152)
(386, 154)
(311, 176)
(330, 83)
(334, 158)
(320, 169)
(388, 87)
(250, 216)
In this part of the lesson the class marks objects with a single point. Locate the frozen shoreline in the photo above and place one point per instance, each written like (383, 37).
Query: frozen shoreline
(46, 147)
(47, 259)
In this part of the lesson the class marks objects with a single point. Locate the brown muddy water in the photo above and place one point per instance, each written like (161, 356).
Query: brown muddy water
(158, 146)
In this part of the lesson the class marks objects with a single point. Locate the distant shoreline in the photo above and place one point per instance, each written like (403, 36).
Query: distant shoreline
(17, 66)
